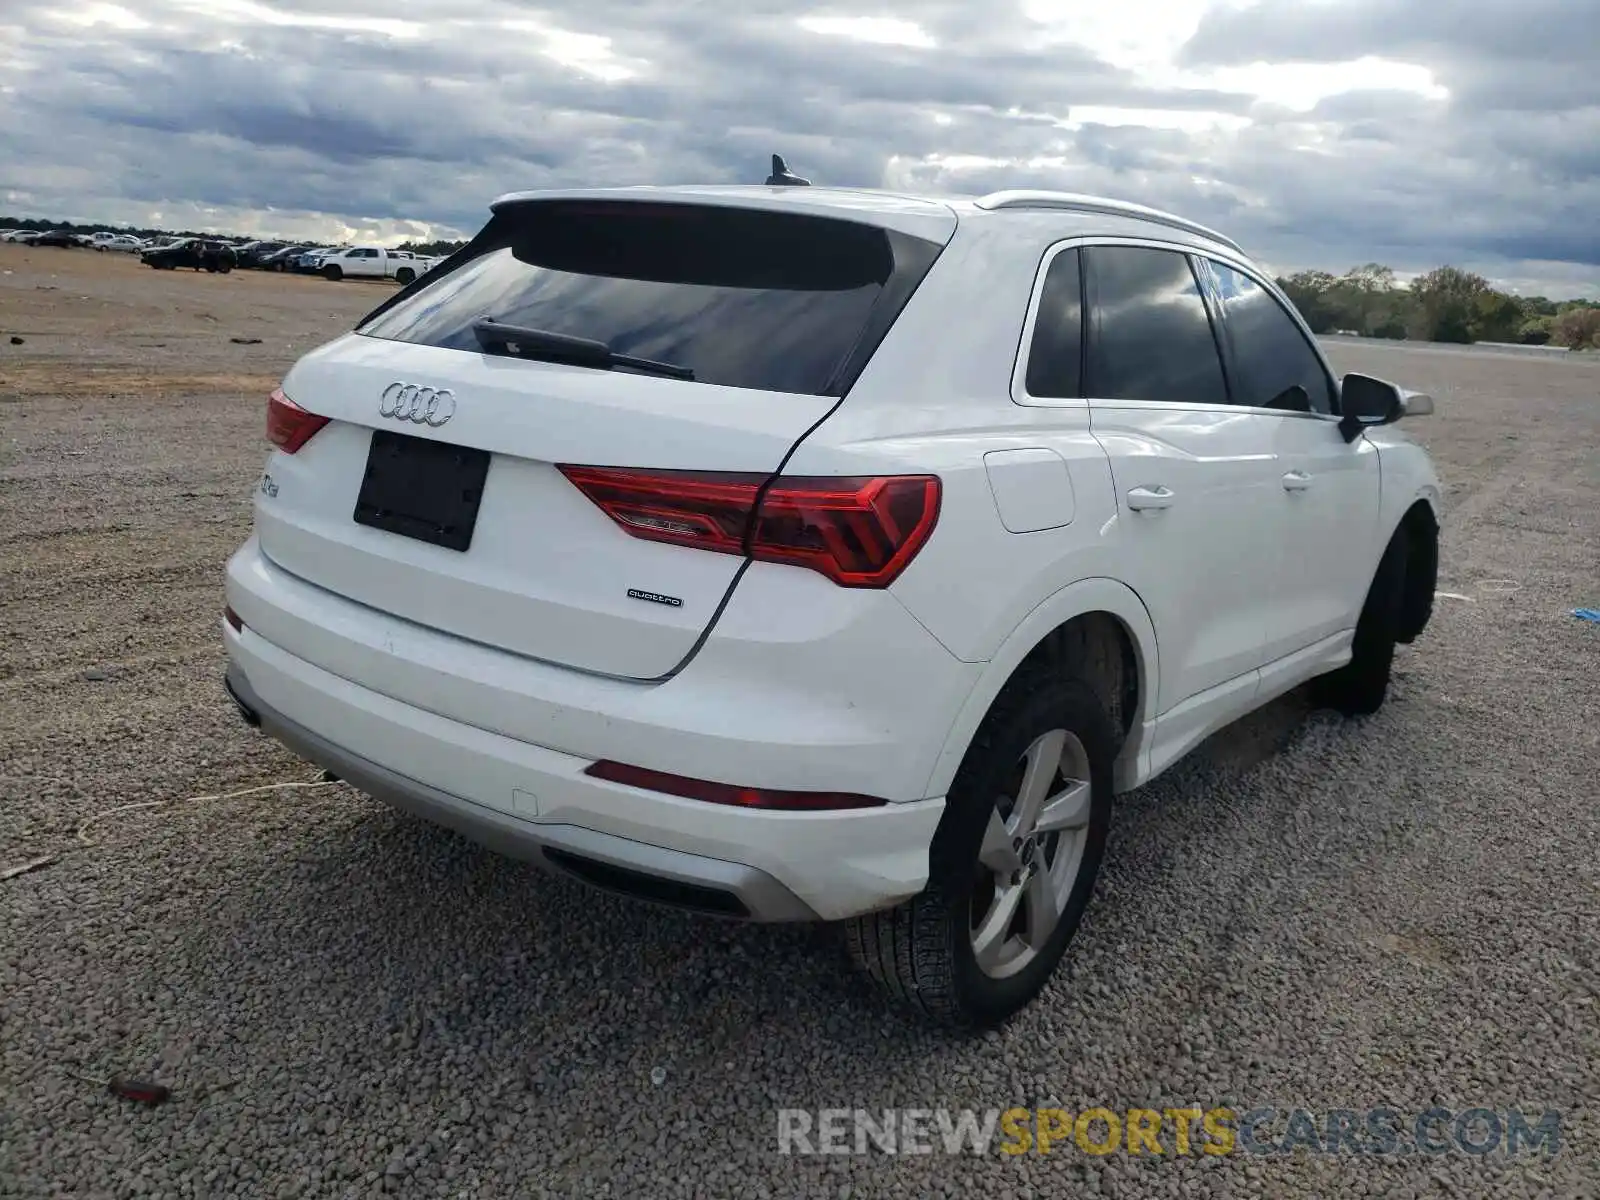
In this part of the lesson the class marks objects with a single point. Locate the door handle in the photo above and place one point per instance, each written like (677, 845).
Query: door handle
(1296, 481)
(1141, 498)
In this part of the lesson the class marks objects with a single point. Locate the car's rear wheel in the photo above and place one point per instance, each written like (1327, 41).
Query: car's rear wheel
(1360, 687)
(404, 276)
(1012, 865)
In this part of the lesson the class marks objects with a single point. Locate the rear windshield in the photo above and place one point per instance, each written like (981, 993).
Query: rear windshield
(742, 297)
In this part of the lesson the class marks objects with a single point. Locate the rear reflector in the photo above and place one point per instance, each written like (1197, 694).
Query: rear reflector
(727, 793)
(288, 425)
(858, 531)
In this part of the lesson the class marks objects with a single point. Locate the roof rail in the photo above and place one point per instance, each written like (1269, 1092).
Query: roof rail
(1073, 202)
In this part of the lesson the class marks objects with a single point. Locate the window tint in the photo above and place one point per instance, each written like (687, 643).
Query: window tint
(1270, 354)
(742, 297)
(1150, 335)
(1055, 359)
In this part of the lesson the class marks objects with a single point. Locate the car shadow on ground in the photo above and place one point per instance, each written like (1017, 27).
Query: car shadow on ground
(418, 942)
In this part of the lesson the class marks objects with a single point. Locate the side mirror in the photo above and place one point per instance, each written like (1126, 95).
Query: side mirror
(1365, 401)
(1293, 398)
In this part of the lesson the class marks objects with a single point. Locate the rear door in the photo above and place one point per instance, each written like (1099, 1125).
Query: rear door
(773, 313)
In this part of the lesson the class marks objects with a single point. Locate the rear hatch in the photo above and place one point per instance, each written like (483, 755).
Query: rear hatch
(444, 485)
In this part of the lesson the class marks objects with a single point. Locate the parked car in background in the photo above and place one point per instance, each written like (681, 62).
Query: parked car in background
(55, 237)
(199, 253)
(252, 254)
(308, 262)
(371, 262)
(279, 259)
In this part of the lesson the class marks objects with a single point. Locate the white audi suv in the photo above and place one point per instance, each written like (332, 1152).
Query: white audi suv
(789, 553)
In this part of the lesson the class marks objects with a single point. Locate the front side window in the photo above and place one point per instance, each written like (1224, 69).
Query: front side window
(1150, 335)
(1275, 364)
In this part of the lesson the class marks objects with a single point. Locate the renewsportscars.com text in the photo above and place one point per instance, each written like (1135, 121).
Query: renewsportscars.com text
(1175, 1132)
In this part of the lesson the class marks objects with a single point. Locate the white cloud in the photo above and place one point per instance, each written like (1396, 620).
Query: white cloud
(248, 12)
(1189, 120)
(1302, 86)
(113, 15)
(1413, 131)
(587, 53)
(878, 31)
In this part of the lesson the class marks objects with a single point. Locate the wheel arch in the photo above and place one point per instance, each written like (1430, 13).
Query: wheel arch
(1421, 525)
(1099, 623)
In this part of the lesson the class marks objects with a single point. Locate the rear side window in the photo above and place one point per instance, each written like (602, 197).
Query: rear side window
(1271, 356)
(1055, 358)
(742, 297)
(1150, 336)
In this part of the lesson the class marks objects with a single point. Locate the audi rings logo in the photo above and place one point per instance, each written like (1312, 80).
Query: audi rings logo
(419, 405)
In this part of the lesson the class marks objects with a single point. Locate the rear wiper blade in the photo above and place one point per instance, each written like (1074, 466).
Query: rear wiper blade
(526, 342)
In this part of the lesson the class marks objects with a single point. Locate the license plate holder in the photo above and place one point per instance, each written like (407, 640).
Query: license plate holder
(422, 489)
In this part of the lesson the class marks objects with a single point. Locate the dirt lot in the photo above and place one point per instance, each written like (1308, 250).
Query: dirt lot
(1403, 912)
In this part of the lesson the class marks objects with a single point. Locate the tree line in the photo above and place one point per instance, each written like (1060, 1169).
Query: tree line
(439, 249)
(429, 249)
(1446, 304)
(40, 226)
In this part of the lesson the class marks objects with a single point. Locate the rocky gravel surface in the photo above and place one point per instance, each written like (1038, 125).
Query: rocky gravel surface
(1402, 912)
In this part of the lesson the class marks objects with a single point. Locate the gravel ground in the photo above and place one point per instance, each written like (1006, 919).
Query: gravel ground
(1403, 912)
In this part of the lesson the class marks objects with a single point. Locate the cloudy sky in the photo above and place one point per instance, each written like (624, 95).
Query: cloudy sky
(1319, 132)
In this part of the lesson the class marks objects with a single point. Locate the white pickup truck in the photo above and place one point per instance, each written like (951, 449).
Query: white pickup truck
(373, 262)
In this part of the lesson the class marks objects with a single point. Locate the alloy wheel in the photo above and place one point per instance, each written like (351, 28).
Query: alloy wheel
(1031, 854)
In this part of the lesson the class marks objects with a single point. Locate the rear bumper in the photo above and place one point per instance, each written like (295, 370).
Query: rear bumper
(536, 804)
(802, 686)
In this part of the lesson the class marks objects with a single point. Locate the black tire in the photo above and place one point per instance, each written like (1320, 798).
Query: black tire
(1422, 577)
(224, 266)
(404, 276)
(920, 953)
(332, 273)
(1359, 688)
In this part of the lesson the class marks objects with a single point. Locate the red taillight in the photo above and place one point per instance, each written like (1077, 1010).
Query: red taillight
(288, 425)
(859, 532)
(727, 793)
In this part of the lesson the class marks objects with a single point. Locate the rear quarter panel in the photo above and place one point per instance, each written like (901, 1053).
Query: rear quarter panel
(936, 398)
